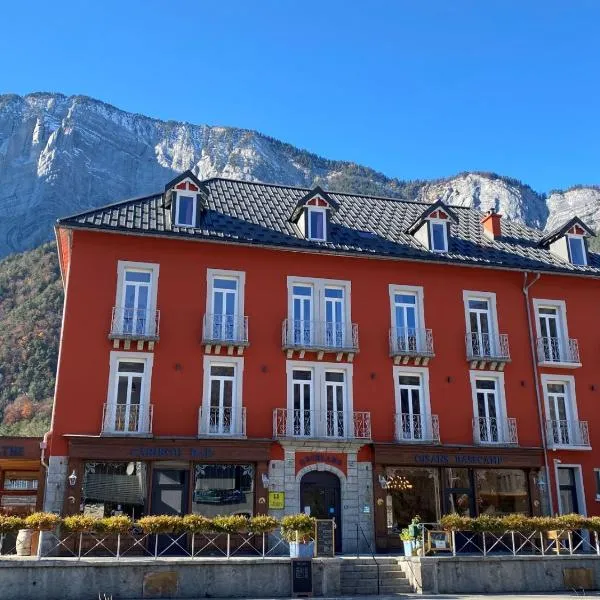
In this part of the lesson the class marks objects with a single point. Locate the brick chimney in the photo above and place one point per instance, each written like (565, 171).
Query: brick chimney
(491, 222)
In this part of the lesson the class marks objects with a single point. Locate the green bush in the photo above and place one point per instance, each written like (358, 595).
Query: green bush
(300, 526)
(230, 524)
(117, 524)
(79, 523)
(456, 522)
(262, 524)
(197, 524)
(41, 521)
(9, 523)
(160, 524)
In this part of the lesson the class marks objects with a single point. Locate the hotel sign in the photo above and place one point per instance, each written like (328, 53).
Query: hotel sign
(171, 452)
(459, 460)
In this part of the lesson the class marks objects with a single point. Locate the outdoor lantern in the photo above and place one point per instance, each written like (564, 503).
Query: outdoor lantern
(72, 479)
(265, 480)
(383, 481)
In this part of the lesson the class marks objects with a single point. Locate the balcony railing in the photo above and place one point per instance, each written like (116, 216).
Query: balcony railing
(488, 347)
(422, 429)
(567, 433)
(332, 424)
(558, 350)
(494, 431)
(225, 330)
(127, 418)
(222, 421)
(411, 342)
(319, 335)
(134, 323)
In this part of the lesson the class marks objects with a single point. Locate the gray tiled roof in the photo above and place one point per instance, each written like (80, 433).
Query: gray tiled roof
(258, 213)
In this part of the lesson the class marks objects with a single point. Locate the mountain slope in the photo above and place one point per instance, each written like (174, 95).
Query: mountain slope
(60, 155)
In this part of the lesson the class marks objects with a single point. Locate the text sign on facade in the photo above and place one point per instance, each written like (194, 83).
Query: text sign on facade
(277, 500)
(325, 537)
(175, 452)
(457, 459)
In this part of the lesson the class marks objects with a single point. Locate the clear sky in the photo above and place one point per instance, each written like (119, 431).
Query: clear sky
(417, 89)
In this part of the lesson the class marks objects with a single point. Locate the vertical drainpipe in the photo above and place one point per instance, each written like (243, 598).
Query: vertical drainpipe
(536, 375)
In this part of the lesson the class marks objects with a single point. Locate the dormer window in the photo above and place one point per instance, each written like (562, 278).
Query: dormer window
(185, 210)
(439, 235)
(577, 252)
(312, 215)
(568, 242)
(316, 224)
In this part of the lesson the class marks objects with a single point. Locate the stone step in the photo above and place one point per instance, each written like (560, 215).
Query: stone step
(372, 590)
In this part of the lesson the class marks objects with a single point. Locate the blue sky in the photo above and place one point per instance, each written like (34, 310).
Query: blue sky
(417, 89)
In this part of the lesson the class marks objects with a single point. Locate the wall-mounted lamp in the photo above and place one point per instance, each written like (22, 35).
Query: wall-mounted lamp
(72, 479)
(265, 480)
(383, 481)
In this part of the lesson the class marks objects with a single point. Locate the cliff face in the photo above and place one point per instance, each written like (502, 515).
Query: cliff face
(60, 155)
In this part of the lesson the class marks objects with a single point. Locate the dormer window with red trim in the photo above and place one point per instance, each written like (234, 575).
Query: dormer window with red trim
(577, 251)
(312, 215)
(185, 204)
(568, 242)
(438, 231)
(432, 228)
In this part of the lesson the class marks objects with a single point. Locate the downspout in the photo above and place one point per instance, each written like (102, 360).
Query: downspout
(538, 393)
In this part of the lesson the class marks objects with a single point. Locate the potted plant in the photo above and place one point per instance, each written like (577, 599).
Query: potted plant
(408, 541)
(415, 527)
(297, 531)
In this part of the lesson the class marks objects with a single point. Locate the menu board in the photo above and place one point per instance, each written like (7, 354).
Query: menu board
(325, 537)
(302, 584)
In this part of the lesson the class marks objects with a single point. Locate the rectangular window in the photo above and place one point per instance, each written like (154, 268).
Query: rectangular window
(334, 317)
(223, 489)
(224, 320)
(557, 394)
(553, 338)
(20, 480)
(316, 224)
(577, 250)
(335, 390)
(222, 410)
(502, 491)
(186, 211)
(411, 409)
(439, 236)
(303, 325)
(303, 398)
(487, 410)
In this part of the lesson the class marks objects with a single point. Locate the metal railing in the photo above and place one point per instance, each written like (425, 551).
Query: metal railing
(558, 350)
(331, 424)
(487, 346)
(127, 418)
(222, 421)
(411, 342)
(417, 428)
(492, 430)
(134, 323)
(225, 329)
(565, 432)
(319, 335)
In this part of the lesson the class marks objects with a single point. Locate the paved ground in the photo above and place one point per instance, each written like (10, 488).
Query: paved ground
(459, 597)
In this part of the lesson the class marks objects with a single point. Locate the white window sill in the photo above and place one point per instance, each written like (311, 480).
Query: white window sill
(132, 434)
(559, 365)
(570, 447)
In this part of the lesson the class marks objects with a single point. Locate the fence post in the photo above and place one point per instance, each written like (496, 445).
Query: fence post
(263, 544)
(228, 544)
(596, 540)
(357, 542)
(570, 538)
(512, 537)
(453, 543)
(193, 541)
(79, 551)
(118, 545)
(484, 546)
(542, 543)
(155, 545)
(1, 542)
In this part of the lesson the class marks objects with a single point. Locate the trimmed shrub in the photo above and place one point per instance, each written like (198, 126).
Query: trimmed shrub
(456, 522)
(263, 524)
(41, 521)
(230, 524)
(196, 524)
(302, 524)
(160, 524)
(79, 523)
(9, 523)
(117, 524)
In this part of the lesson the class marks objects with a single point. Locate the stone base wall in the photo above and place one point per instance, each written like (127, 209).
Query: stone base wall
(167, 578)
(56, 483)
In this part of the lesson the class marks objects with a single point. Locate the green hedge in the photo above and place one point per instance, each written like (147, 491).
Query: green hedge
(518, 522)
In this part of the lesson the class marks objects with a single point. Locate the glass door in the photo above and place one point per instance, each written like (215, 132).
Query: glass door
(225, 309)
(302, 315)
(405, 306)
(480, 327)
(335, 393)
(127, 416)
(550, 333)
(334, 317)
(411, 415)
(558, 406)
(136, 300)
(487, 419)
(221, 417)
(568, 491)
(302, 418)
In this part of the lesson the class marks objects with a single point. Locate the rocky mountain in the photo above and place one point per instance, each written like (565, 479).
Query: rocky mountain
(60, 155)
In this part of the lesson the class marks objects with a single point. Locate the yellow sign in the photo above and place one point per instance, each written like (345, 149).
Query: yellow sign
(276, 500)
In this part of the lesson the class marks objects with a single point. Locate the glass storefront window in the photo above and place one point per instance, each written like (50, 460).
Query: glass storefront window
(114, 488)
(410, 492)
(501, 491)
(223, 490)
(20, 480)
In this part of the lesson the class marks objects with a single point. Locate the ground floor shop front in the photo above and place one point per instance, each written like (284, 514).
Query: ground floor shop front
(431, 482)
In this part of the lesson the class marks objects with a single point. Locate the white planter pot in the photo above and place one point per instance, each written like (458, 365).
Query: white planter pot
(24, 542)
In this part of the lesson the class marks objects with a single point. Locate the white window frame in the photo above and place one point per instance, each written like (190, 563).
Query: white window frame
(319, 387)
(309, 233)
(415, 290)
(493, 312)
(423, 374)
(581, 240)
(194, 208)
(569, 382)
(126, 265)
(562, 315)
(579, 486)
(498, 376)
(433, 222)
(111, 397)
(239, 276)
(318, 301)
(237, 403)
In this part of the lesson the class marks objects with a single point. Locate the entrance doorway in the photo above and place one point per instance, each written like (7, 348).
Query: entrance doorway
(170, 491)
(320, 496)
(567, 489)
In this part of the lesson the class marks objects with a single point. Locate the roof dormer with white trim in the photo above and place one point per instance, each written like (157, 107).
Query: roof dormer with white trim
(184, 196)
(432, 228)
(313, 213)
(569, 241)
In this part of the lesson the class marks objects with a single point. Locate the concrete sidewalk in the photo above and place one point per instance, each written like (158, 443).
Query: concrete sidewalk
(562, 596)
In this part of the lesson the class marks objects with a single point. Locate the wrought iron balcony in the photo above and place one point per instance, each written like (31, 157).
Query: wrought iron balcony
(487, 347)
(325, 425)
(558, 351)
(411, 343)
(134, 324)
(495, 432)
(127, 419)
(319, 336)
(418, 429)
(223, 421)
(567, 433)
(225, 330)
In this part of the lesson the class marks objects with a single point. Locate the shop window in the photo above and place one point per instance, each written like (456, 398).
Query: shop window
(411, 492)
(223, 490)
(20, 480)
(501, 491)
(114, 488)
